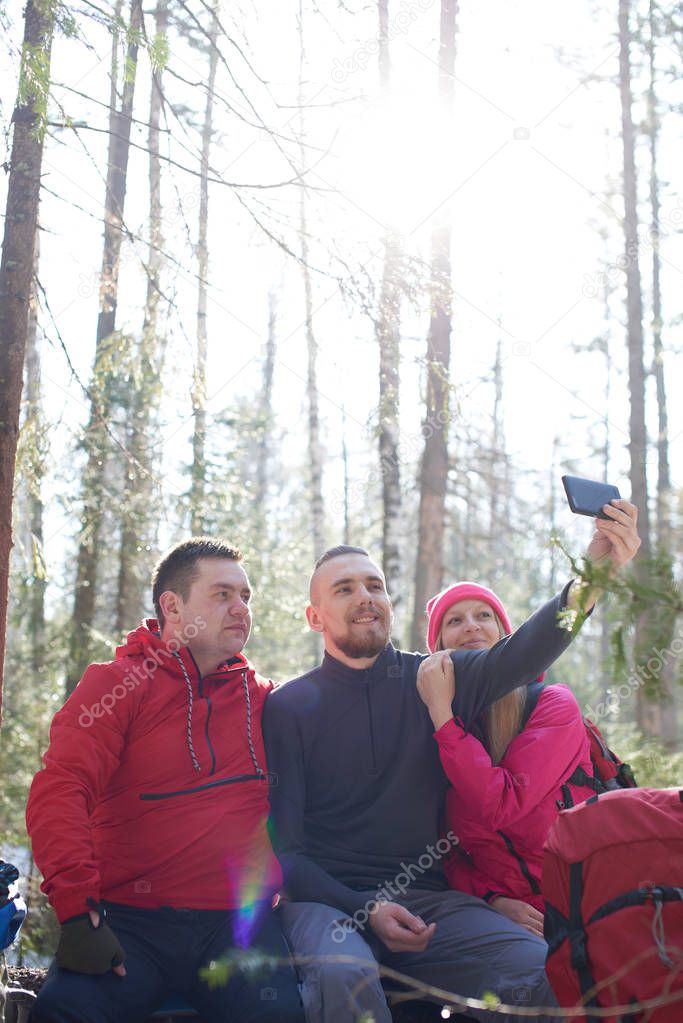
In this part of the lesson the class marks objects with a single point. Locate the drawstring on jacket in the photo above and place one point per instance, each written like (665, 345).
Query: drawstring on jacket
(245, 686)
(249, 739)
(195, 762)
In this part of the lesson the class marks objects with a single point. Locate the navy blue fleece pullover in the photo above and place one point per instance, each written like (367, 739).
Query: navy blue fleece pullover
(358, 789)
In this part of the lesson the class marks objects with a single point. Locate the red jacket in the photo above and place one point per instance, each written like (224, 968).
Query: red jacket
(502, 814)
(151, 794)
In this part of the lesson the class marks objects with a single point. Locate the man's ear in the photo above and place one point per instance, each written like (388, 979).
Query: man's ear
(313, 619)
(169, 602)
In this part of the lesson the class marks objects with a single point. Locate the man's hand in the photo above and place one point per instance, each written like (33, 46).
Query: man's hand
(399, 929)
(88, 945)
(614, 543)
(436, 686)
(520, 913)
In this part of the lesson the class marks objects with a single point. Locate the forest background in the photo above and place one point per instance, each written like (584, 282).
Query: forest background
(302, 273)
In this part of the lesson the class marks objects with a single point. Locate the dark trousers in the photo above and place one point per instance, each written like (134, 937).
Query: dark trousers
(166, 948)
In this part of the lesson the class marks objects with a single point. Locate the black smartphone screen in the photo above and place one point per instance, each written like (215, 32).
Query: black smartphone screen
(586, 497)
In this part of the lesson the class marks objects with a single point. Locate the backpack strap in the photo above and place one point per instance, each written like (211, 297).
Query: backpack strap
(533, 692)
(577, 934)
(567, 801)
(583, 780)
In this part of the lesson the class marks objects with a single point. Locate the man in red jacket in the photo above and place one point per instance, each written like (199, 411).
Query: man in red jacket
(148, 821)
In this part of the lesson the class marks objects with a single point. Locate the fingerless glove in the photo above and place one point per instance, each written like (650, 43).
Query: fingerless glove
(85, 948)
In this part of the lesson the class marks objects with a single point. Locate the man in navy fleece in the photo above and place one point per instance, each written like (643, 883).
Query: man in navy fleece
(359, 796)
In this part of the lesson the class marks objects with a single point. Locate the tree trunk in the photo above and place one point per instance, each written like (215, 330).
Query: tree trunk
(434, 464)
(388, 332)
(34, 417)
(663, 472)
(638, 438)
(139, 521)
(117, 171)
(552, 516)
(96, 440)
(647, 711)
(668, 716)
(388, 337)
(315, 461)
(498, 482)
(466, 546)
(198, 488)
(605, 629)
(16, 269)
(347, 485)
(266, 415)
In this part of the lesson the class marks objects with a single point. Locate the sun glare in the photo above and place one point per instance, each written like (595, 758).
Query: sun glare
(393, 162)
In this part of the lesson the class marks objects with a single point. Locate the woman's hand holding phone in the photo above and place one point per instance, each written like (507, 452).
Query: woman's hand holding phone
(614, 543)
(615, 539)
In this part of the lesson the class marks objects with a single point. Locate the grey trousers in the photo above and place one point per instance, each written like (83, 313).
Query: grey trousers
(474, 949)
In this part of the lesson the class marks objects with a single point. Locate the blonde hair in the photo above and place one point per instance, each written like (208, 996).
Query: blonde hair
(502, 720)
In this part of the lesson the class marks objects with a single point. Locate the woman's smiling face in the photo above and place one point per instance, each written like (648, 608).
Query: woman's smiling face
(469, 625)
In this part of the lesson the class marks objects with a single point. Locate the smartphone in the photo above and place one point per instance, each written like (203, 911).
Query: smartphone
(586, 497)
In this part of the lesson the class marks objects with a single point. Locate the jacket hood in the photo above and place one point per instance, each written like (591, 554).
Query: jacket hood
(146, 641)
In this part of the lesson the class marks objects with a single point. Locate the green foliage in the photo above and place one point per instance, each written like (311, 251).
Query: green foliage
(33, 694)
(274, 537)
(649, 597)
(129, 69)
(251, 962)
(65, 21)
(32, 451)
(40, 933)
(34, 84)
(135, 36)
(158, 52)
(653, 765)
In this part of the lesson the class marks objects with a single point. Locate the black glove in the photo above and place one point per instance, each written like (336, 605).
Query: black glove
(85, 948)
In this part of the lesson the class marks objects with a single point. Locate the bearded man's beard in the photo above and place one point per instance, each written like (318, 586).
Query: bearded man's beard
(363, 646)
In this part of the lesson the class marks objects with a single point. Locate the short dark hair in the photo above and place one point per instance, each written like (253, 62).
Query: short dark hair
(178, 568)
(336, 552)
(333, 552)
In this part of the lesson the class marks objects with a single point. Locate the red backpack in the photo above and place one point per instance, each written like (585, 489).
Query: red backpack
(609, 772)
(613, 885)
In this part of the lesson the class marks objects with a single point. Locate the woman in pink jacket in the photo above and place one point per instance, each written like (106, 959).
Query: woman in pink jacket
(506, 778)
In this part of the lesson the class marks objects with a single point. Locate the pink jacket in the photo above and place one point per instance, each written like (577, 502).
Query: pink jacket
(502, 814)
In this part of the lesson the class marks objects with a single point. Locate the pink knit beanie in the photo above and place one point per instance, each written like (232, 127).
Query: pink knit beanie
(438, 605)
